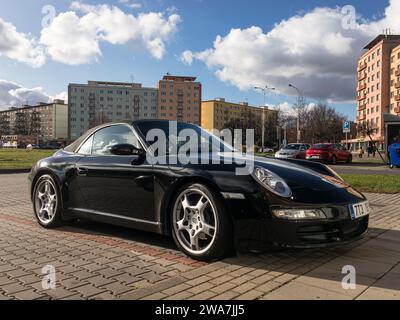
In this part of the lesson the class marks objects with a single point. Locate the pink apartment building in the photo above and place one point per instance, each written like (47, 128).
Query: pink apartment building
(376, 94)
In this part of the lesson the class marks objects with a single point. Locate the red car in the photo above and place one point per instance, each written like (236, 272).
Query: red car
(329, 153)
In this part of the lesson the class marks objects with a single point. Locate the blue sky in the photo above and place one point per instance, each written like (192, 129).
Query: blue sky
(201, 22)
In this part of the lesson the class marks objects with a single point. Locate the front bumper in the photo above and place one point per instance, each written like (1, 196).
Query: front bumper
(253, 234)
(285, 156)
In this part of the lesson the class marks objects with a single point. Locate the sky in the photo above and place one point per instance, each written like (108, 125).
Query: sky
(231, 46)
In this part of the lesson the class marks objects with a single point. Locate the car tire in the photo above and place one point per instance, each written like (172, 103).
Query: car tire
(201, 228)
(334, 160)
(47, 202)
(350, 159)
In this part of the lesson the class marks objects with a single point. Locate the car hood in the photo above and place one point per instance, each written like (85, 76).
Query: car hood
(299, 175)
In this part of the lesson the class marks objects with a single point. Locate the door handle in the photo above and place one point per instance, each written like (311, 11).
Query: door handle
(82, 171)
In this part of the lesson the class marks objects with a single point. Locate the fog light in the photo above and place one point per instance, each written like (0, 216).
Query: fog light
(299, 214)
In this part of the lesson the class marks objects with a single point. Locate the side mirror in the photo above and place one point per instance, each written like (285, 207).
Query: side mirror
(127, 150)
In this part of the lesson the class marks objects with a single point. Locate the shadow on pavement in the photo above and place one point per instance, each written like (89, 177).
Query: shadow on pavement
(376, 258)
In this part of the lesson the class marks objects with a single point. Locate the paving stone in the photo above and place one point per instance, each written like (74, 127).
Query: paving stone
(13, 288)
(29, 294)
(88, 290)
(117, 288)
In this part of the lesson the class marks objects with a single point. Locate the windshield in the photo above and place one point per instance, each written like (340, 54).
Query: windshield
(292, 147)
(184, 134)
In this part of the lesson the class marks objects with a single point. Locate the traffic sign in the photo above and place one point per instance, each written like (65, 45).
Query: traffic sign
(346, 127)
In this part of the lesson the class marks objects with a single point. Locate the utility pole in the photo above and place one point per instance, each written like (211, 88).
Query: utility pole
(298, 111)
(264, 91)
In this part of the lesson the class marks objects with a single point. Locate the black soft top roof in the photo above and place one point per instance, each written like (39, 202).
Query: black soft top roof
(73, 147)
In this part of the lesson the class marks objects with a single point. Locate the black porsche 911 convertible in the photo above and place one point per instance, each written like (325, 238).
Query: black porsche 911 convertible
(109, 175)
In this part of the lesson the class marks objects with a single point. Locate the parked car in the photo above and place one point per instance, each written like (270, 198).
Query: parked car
(32, 146)
(293, 151)
(266, 150)
(329, 153)
(109, 175)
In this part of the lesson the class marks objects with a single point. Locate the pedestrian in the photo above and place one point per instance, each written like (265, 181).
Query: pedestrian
(360, 152)
(369, 150)
(374, 151)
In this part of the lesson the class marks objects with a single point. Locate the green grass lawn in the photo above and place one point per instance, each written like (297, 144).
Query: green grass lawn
(21, 158)
(374, 183)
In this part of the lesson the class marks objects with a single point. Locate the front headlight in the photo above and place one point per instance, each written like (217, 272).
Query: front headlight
(299, 214)
(272, 182)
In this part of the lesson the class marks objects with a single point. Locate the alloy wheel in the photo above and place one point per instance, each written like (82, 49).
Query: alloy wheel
(195, 221)
(45, 201)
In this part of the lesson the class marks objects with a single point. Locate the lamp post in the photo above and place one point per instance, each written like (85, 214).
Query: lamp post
(298, 110)
(264, 91)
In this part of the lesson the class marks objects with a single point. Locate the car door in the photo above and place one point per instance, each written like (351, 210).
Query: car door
(340, 152)
(114, 185)
(303, 150)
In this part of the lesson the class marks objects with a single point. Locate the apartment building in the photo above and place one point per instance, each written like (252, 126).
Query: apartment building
(375, 93)
(179, 99)
(100, 102)
(220, 114)
(395, 81)
(45, 121)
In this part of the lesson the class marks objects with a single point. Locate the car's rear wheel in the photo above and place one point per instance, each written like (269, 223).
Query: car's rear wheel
(200, 226)
(47, 202)
(350, 159)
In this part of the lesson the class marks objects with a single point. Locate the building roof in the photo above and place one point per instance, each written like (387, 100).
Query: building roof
(179, 78)
(114, 84)
(240, 104)
(380, 38)
(39, 105)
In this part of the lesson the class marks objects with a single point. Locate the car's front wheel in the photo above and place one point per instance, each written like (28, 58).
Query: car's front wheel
(47, 202)
(200, 225)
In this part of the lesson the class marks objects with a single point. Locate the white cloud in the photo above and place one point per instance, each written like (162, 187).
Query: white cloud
(20, 46)
(312, 50)
(74, 37)
(16, 95)
(287, 109)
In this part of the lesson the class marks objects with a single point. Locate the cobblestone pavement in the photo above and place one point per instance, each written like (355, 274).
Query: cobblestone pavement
(94, 261)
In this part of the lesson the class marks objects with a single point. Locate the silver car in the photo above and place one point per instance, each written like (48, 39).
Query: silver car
(293, 151)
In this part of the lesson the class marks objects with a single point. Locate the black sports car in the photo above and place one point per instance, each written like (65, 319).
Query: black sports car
(109, 175)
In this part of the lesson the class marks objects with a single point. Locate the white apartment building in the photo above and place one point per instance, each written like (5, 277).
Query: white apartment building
(99, 102)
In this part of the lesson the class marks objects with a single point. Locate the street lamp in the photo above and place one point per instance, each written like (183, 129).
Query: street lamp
(264, 91)
(298, 110)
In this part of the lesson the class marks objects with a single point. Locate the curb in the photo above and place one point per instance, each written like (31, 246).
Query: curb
(13, 171)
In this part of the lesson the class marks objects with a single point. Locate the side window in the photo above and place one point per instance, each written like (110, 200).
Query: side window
(108, 137)
(86, 148)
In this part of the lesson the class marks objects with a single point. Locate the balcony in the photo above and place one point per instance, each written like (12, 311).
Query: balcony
(361, 118)
(397, 85)
(362, 76)
(397, 97)
(362, 87)
(397, 110)
(362, 107)
(397, 73)
(361, 97)
(362, 66)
